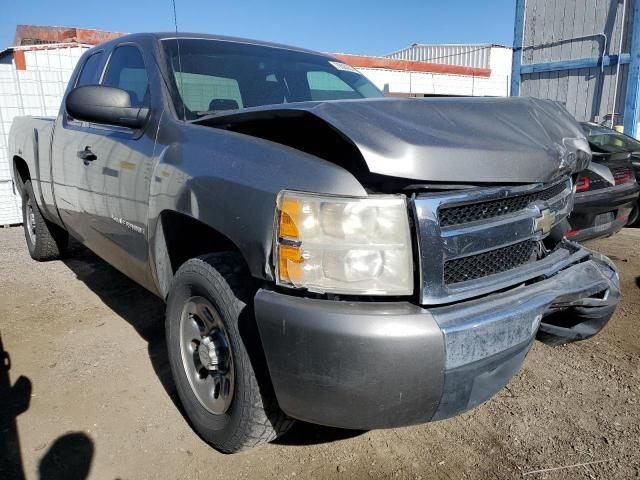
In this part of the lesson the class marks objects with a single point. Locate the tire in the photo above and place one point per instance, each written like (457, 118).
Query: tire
(45, 240)
(250, 415)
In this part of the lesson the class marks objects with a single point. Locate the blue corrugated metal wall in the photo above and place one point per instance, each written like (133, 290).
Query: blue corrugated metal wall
(582, 53)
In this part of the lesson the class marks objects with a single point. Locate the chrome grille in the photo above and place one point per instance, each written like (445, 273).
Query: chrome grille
(480, 240)
(458, 215)
(489, 263)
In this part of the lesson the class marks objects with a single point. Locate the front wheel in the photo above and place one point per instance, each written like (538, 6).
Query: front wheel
(215, 354)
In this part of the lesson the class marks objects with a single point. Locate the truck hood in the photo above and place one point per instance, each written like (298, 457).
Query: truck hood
(497, 140)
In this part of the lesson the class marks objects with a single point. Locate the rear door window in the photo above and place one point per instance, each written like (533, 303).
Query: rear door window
(91, 70)
(126, 70)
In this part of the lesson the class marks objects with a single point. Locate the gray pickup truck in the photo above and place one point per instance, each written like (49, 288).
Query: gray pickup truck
(325, 254)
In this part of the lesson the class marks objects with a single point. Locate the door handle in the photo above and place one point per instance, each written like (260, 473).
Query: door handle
(87, 155)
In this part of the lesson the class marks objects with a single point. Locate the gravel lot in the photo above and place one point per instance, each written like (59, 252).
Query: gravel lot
(90, 376)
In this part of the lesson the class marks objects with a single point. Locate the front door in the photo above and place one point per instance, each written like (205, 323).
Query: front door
(69, 172)
(119, 167)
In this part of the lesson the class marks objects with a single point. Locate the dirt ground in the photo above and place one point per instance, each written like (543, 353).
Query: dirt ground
(91, 391)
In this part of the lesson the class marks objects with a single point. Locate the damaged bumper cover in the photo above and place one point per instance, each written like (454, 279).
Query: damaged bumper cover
(366, 365)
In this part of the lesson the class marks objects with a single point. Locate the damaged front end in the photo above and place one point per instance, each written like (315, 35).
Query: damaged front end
(510, 239)
(487, 339)
(488, 203)
(470, 141)
(463, 336)
(331, 361)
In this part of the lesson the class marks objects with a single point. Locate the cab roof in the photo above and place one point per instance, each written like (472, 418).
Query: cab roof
(159, 36)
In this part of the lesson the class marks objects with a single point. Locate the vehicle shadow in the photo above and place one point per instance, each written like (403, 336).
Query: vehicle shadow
(303, 433)
(70, 455)
(131, 302)
(638, 282)
(145, 313)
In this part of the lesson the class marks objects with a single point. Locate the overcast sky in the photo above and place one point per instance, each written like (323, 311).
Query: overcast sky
(372, 27)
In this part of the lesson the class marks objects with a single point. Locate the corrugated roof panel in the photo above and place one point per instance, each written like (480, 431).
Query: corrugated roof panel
(466, 55)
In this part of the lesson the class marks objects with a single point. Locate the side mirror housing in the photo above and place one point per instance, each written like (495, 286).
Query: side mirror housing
(108, 105)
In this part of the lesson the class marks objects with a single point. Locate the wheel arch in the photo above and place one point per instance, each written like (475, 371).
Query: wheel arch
(179, 237)
(21, 172)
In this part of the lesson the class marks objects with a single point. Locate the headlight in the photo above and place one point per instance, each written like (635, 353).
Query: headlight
(344, 245)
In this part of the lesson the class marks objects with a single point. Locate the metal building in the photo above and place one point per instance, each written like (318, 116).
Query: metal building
(431, 70)
(468, 55)
(582, 53)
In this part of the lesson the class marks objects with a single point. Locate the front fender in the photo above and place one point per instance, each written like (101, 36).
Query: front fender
(229, 181)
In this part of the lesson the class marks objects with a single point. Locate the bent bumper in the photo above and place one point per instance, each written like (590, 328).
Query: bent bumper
(366, 365)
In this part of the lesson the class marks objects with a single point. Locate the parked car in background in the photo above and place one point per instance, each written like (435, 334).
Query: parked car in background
(607, 192)
(605, 141)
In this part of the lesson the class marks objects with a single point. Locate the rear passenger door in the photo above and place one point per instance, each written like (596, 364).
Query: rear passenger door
(118, 176)
(68, 174)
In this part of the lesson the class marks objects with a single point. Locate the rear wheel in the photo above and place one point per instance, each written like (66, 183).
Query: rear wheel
(45, 240)
(215, 354)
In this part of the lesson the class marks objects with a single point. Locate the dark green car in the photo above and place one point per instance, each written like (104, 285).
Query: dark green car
(606, 140)
(607, 192)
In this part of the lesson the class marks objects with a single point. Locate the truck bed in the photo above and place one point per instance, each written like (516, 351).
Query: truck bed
(21, 135)
(30, 139)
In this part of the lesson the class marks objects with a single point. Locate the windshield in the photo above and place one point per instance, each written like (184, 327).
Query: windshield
(608, 140)
(211, 75)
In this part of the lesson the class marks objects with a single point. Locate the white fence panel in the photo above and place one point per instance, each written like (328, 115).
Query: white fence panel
(36, 91)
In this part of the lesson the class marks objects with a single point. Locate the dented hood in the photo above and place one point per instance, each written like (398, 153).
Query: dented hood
(505, 140)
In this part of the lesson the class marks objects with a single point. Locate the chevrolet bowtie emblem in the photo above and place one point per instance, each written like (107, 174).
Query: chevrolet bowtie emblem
(544, 222)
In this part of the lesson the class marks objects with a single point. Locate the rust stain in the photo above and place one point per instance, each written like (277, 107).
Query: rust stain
(409, 65)
(33, 34)
(18, 58)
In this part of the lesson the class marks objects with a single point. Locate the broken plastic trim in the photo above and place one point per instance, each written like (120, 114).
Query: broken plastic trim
(299, 129)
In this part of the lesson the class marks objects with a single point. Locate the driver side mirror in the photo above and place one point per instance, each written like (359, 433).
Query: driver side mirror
(108, 105)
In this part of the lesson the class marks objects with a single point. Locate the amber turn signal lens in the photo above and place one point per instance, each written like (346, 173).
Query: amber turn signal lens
(290, 263)
(289, 215)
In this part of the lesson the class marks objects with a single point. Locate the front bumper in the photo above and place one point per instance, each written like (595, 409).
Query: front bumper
(619, 200)
(366, 365)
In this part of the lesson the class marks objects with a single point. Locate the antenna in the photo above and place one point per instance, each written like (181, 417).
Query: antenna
(175, 23)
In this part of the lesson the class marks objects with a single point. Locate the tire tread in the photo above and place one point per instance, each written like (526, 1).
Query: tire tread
(51, 240)
(265, 421)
